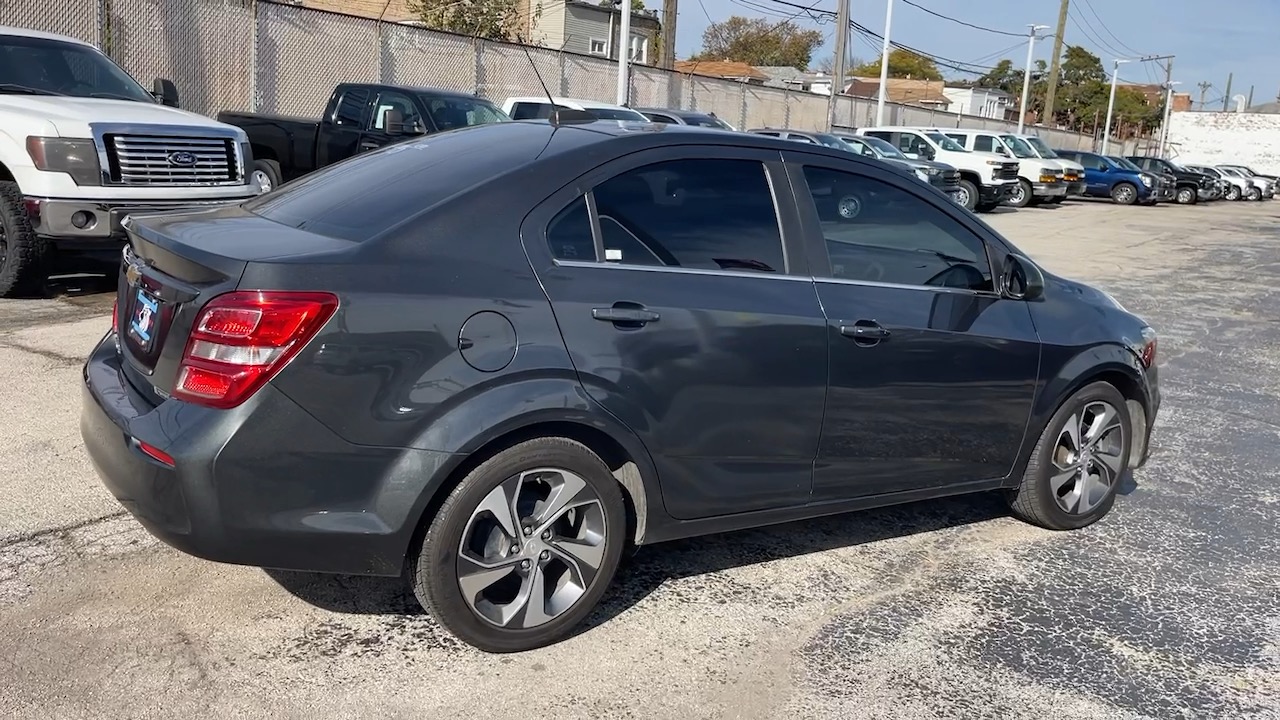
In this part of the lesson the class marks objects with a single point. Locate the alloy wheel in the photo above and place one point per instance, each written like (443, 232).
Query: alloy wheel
(962, 196)
(262, 180)
(1087, 458)
(1016, 197)
(1185, 196)
(1125, 194)
(531, 548)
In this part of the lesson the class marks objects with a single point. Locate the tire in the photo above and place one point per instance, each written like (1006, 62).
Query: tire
(23, 256)
(1024, 197)
(438, 569)
(1186, 196)
(1233, 193)
(1255, 194)
(970, 194)
(1038, 501)
(269, 172)
(1124, 193)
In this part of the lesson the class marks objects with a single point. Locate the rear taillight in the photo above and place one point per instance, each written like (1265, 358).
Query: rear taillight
(115, 315)
(241, 339)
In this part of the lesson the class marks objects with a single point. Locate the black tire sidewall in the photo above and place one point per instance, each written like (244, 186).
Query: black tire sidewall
(434, 572)
(21, 272)
(1027, 196)
(1190, 195)
(272, 170)
(1044, 455)
(972, 191)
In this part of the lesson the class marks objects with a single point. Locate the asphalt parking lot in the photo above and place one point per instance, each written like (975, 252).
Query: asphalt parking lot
(1169, 608)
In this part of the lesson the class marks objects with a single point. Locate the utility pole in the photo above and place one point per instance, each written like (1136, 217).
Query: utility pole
(883, 93)
(1227, 97)
(1168, 113)
(1204, 88)
(624, 54)
(1111, 104)
(1249, 103)
(669, 11)
(1026, 75)
(1055, 65)
(838, 71)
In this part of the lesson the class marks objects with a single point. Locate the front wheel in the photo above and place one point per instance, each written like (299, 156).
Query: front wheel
(967, 195)
(1124, 194)
(1233, 193)
(1022, 194)
(1078, 463)
(1255, 194)
(23, 255)
(1186, 196)
(524, 547)
(266, 175)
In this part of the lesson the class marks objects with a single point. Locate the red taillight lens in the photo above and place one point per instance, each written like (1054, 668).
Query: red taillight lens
(241, 339)
(1149, 353)
(156, 453)
(115, 315)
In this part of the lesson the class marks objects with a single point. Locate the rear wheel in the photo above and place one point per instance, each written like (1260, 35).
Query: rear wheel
(1078, 463)
(1186, 196)
(1255, 193)
(524, 547)
(265, 175)
(1233, 193)
(23, 255)
(1124, 194)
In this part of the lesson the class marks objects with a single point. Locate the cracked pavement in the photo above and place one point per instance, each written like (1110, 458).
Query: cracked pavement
(1168, 608)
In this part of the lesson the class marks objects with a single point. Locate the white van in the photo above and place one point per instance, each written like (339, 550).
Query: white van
(986, 179)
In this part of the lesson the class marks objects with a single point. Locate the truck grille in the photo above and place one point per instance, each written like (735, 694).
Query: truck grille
(172, 161)
(950, 178)
(1009, 171)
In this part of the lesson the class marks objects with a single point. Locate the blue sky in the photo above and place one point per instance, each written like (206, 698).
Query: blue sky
(1210, 38)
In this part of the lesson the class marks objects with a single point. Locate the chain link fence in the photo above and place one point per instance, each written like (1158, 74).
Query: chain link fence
(276, 58)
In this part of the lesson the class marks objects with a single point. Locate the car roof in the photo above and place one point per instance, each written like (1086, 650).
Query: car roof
(25, 32)
(584, 104)
(673, 112)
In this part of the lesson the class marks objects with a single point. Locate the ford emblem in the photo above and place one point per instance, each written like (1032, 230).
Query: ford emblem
(182, 159)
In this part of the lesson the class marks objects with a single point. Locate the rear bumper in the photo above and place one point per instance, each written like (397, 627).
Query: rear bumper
(234, 494)
(56, 218)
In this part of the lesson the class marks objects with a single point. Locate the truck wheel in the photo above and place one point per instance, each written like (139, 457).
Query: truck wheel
(1233, 193)
(1021, 196)
(23, 256)
(1186, 196)
(968, 194)
(1124, 193)
(265, 174)
(1255, 193)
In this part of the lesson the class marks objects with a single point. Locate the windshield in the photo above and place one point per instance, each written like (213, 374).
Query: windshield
(36, 66)
(1228, 171)
(617, 114)
(1044, 150)
(831, 141)
(706, 121)
(885, 148)
(458, 112)
(1019, 146)
(945, 142)
(1125, 164)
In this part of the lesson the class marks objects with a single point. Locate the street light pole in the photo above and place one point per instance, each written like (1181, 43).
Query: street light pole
(884, 63)
(624, 54)
(1168, 113)
(1111, 104)
(1026, 76)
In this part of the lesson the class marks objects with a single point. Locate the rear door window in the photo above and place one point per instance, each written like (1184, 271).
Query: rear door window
(530, 111)
(351, 107)
(697, 214)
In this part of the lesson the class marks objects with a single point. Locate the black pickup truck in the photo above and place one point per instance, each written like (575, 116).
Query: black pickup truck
(358, 117)
(1192, 186)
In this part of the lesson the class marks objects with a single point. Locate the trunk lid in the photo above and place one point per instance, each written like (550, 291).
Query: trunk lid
(173, 265)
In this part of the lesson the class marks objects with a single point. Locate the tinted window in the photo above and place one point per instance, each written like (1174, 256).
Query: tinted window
(569, 234)
(450, 113)
(351, 107)
(530, 111)
(983, 143)
(886, 136)
(360, 197)
(62, 68)
(877, 232)
(655, 117)
(698, 214)
(1091, 162)
(801, 138)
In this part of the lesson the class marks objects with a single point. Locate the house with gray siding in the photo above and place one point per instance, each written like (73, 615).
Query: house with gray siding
(591, 29)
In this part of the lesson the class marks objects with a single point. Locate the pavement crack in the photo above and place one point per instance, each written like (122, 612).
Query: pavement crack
(47, 354)
(38, 534)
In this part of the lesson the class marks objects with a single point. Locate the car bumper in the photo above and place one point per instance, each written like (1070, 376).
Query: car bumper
(63, 220)
(1076, 188)
(996, 193)
(1048, 190)
(233, 495)
(1152, 377)
(1208, 194)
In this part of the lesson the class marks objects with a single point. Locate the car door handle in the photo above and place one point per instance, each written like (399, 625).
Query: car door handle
(368, 145)
(625, 315)
(865, 330)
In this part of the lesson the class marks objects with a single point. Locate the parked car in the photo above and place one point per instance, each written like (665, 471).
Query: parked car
(1255, 188)
(1166, 186)
(1235, 187)
(1072, 171)
(1273, 182)
(1191, 186)
(684, 117)
(1105, 177)
(548, 342)
(986, 179)
(83, 146)
(804, 136)
(357, 118)
(541, 108)
(1039, 180)
(940, 175)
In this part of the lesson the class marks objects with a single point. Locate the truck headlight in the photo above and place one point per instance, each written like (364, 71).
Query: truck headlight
(75, 156)
(1146, 180)
(920, 173)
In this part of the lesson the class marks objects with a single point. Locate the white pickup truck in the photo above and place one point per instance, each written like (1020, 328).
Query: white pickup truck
(1039, 180)
(986, 179)
(83, 145)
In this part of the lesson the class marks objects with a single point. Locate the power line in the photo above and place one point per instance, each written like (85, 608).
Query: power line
(1108, 30)
(959, 65)
(962, 22)
(1088, 31)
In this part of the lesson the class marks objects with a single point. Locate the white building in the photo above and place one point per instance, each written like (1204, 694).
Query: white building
(980, 102)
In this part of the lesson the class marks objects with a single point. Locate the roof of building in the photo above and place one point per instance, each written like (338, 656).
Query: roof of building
(906, 91)
(720, 69)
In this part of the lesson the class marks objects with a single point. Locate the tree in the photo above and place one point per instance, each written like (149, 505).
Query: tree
(636, 5)
(758, 42)
(1002, 77)
(902, 64)
(492, 19)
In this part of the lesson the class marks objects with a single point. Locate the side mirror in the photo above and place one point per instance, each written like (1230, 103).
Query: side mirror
(1022, 279)
(393, 121)
(1002, 151)
(165, 92)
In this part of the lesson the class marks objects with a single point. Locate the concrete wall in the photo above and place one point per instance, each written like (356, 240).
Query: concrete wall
(1212, 138)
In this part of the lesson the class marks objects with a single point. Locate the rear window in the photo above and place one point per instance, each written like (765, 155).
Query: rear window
(363, 196)
(450, 113)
